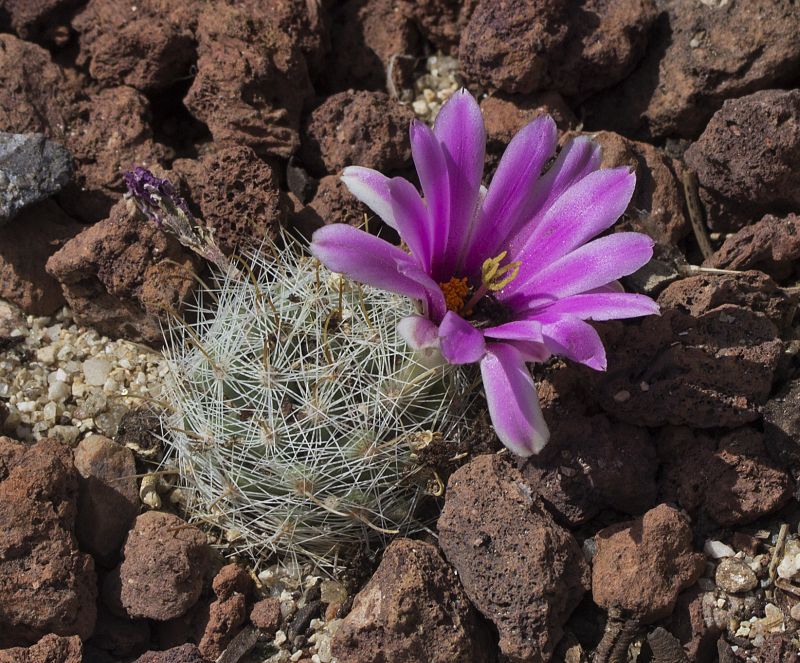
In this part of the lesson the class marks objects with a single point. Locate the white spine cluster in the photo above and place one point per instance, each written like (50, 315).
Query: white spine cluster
(297, 407)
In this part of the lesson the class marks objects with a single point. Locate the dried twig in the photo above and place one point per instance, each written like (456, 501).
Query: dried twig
(696, 216)
(777, 552)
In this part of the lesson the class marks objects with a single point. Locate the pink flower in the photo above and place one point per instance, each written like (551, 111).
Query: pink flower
(503, 276)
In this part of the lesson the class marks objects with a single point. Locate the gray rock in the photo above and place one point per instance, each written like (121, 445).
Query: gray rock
(31, 169)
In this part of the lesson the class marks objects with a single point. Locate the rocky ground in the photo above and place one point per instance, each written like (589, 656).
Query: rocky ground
(660, 524)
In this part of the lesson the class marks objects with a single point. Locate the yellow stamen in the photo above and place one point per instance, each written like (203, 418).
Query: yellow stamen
(455, 291)
(494, 277)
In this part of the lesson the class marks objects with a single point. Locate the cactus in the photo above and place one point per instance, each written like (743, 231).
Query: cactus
(297, 408)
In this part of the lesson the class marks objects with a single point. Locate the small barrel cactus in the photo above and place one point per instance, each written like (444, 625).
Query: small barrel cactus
(297, 408)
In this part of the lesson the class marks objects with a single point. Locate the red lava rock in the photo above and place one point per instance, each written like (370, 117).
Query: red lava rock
(413, 609)
(746, 159)
(109, 497)
(730, 479)
(122, 638)
(333, 203)
(40, 19)
(642, 565)
(519, 568)
(225, 619)
(232, 579)
(25, 245)
(700, 55)
(252, 78)
(657, 206)
(184, 654)
(688, 624)
(368, 34)
(50, 649)
(359, 128)
(147, 45)
(47, 585)
(165, 561)
(440, 21)
(266, 615)
(591, 463)
(782, 423)
(237, 196)
(771, 245)
(519, 47)
(120, 274)
(779, 649)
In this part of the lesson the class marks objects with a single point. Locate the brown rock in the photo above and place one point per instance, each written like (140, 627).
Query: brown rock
(357, 129)
(237, 196)
(225, 619)
(440, 21)
(47, 585)
(333, 203)
(165, 561)
(782, 423)
(520, 47)
(591, 463)
(183, 654)
(109, 497)
(25, 245)
(120, 274)
(232, 579)
(730, 479)
(40, 20)
(122, 638)
(266, 615)
(521, 570)
(413, 609)
(50, 649)
(702, 54)
(746, 159)
(368, 34)
(252, 78)
(771, 245)
(779, 649)
(147, 46)
(641, 566)
(688, 624)
(657, 206)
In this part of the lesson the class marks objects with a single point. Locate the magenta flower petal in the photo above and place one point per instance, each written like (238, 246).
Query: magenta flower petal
(372, 189)
(594, 264)
(368, 259)
(583, 211)
(576, 340)
(518, 330)
(418, 332)
(432, 171)
(459, 341)
(459, 128)
(412, 221)
(509, 196)
(603, 306)
(512, 400)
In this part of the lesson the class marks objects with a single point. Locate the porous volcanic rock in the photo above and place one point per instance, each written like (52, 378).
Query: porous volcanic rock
(688, 624)
(109, 497)
(25, 245)
(225, 619)
(237, 196)
(771, 245)
(148, 45)
(120, 274)
(370, 36)
(519, 47)
(47, 584)
(729, 478)
(413, 609)
(165, 561)
(232, 579)
(122, 638)
(441, 22)
(657, 206)
(701, 54)
(184, 654)
(50, 649)
(252, 77)
(525, 573)
(333, 203)
(708, 360)
(746, 159)
(40, 20)
(358, 128)
(782, 423)
(642, 565)
(591, 463)
(32, 168)
(266, 615)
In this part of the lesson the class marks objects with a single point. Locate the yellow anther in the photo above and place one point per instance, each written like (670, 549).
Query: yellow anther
(494, 277)
(455, 291)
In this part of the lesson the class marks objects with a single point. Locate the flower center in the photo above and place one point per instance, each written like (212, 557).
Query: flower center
(455, 291)
(494, 277)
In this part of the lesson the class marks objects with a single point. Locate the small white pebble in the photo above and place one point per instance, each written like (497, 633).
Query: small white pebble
(26, 406)
(96, 371)
(280, 638)
(622, 396)
(717, 549)
(297, 655)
